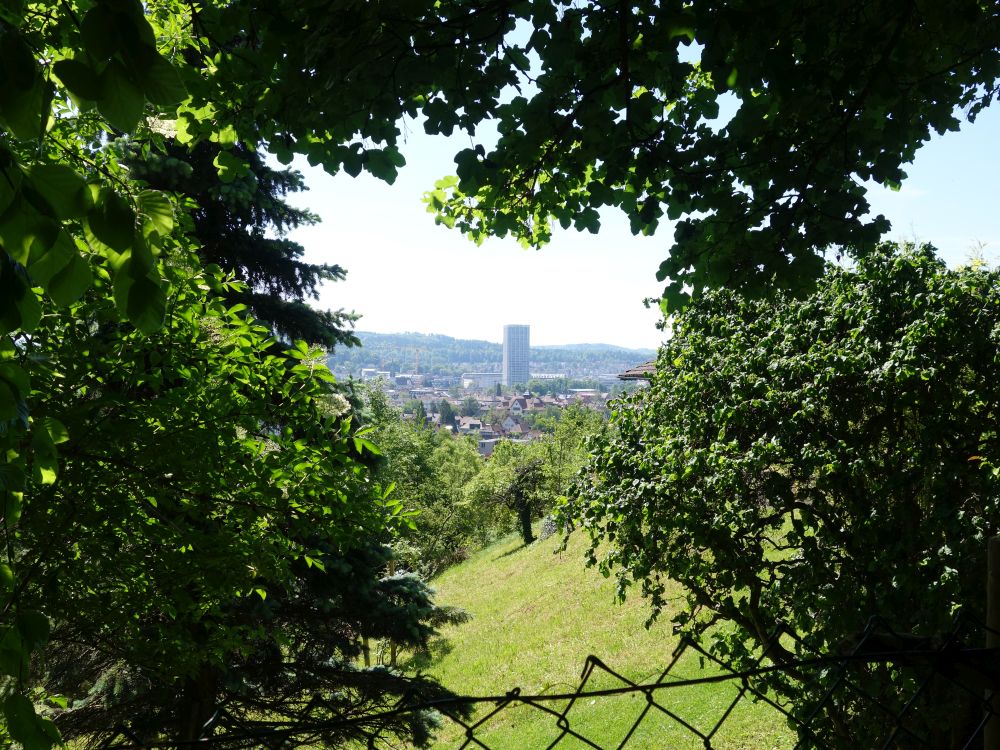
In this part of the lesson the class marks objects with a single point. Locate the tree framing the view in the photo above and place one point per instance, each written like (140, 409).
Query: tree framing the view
(800, 466)
(97, 268)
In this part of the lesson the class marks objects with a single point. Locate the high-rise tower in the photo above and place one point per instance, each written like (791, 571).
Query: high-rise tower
(515, 355)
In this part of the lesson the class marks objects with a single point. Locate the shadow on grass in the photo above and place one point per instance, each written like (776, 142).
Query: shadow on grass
(437, 649)
(510, 552)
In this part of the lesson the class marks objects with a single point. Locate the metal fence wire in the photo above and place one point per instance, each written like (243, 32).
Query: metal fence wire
(939, 696)
(884, 690)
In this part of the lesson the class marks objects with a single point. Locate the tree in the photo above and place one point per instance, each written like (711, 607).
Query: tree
(756, 126)
(617, 117)
(566, 449)
(235, 221)
(802, 465)
(513, 479)
(469, 407)
(447, 412)
(429, 470)
(210, 536)
(160, 491)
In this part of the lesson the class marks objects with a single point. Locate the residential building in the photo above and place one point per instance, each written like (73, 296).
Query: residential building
(516, 350)
(481, 379)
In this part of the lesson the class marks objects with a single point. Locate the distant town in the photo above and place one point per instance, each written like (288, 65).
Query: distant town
(492, 392)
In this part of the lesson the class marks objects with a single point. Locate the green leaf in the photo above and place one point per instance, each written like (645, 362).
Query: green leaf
(24, 96)
(230, 167)
(25, 112)
(45, 466)
(56, 430)
(96, 29)
(14, 389)
(25, 233)
(384, 163)
(34, 628)
(9, 403)
(226, 136)
(18, 62)
(112, 220)
(10, 184)
(71, 282)
(79, 79)
(141, 259)
(141, 300)
(6, 578)
(34, 732)
(12, 11)
(161, 82)
(19, 307)
(13, 503)
(121, 101)
(157, 206)
(13, 655)
(62, 271)
(62, 188)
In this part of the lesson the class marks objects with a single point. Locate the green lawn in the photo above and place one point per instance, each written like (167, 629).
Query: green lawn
(537, 614)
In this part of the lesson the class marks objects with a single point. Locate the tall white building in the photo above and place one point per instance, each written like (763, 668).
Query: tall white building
(515, 354)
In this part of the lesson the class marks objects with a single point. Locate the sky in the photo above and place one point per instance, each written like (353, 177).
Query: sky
(404, 273)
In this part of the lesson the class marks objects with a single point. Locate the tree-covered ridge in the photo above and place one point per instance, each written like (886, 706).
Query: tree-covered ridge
(440, 355)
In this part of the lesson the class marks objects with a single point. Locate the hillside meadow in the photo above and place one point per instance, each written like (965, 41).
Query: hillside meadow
(537, 613)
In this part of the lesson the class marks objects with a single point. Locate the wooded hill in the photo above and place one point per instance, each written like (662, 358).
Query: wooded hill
(444, 355)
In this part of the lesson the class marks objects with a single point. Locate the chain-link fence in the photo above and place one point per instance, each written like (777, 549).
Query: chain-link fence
(881, 689)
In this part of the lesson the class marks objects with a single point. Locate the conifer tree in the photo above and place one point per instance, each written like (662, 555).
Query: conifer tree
(242, 224)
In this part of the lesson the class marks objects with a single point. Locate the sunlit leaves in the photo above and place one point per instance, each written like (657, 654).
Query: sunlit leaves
(781, 442)
(230, 166)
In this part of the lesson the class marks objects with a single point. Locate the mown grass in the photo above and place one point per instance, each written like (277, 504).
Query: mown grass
(537, 614)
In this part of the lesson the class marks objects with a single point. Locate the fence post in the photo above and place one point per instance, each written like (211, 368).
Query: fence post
(991, 732)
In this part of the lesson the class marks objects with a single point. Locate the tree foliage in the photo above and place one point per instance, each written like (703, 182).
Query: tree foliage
(241, 224)
(754, 125)
(802, 465)
(428, 470)
(189, 522)
(617, 114)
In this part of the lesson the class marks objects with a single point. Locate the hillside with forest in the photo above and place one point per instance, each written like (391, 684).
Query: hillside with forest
(436, 354)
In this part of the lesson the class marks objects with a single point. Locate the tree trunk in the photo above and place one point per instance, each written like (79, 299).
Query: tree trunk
(197, 704)
(524, 516)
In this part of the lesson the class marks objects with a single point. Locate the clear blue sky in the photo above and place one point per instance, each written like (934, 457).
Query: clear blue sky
(406, 274)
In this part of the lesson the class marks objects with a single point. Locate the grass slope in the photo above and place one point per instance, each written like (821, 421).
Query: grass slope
(537, 614)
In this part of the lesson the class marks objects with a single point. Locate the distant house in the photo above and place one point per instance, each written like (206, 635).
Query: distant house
(519, 430)
(645, 371)
(486, 447)
(517, 405)
(468, 424)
